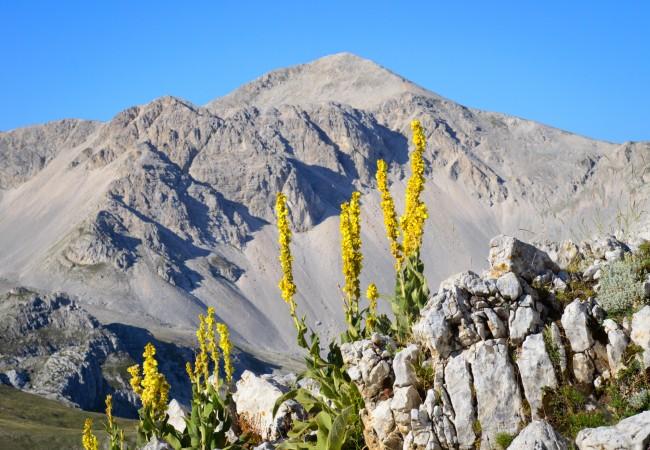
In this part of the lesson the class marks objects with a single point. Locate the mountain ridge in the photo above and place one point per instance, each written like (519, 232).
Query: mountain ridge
(168, 207)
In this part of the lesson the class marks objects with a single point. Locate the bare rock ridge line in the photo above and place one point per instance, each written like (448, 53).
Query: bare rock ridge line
(168, 208)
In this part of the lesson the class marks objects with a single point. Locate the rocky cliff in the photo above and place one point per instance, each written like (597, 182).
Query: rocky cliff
(531, 354)
(53, 348)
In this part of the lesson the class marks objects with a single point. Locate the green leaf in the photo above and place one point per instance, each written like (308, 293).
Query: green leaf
(338, 432)
(324, 421)
(283, 398)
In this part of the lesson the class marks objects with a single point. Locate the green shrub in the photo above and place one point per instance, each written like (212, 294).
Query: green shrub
(620, 286)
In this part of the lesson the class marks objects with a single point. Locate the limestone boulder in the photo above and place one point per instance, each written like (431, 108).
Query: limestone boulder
(632, 433)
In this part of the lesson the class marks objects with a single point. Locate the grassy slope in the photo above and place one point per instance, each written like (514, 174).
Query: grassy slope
(31, 422)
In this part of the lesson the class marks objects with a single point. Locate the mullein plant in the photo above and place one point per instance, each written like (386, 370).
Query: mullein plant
(333, 415)
(88, 440)
(115, 434)
(153, 390)
(411, 290)
(210, 418)
(352, 259)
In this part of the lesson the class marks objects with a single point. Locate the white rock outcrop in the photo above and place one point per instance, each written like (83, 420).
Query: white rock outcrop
(498, 398)
(632, 433)
(255, 399)
(536, 371)
(640, 334)
(538, 435)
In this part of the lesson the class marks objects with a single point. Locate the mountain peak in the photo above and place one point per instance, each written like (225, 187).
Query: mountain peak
(340, 78)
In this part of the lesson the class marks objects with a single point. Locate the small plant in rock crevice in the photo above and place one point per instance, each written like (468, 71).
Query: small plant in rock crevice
(621, 286)
(503, 440)
(565, 408)
(629, 392)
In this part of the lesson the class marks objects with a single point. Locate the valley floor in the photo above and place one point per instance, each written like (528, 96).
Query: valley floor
(30, 422)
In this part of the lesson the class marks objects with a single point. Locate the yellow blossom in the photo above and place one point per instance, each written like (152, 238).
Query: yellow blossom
(151, 386)
(415, 211)
(136, 379)
(190, 371)
(109, 410)
(372, 294)
(388, 209)
(88, 439)
(226, 349)
(286, 285)
(210, 328)
(350, 227)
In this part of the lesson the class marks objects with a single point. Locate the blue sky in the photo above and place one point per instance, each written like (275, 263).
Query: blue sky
(583, 66)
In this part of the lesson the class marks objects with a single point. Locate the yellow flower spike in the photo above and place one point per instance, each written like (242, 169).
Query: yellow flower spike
(286, 285)
(388, 209)
(350, 227)
(136, 379)
(210, 330)
(201, 365)
(109, 410)
(190, 372)
(88, 439)
(415, 211)
(226, 349)
(372, 294)
(155, 388)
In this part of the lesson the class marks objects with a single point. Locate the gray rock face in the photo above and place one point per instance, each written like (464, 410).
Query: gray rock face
(508, 254)
(524, 320)
(255, 398)
(538, 435)
(509, 286)
(404, 399)
(53, 348)
(433, 328)
(382, 419)
(575, 324)
(498, 396)
(155, 444)
(56, 347)
(632, 433)
(616, 345)
(583, 368)
(459, 386)
(26, 151)
(403, 366)
(473, 379)
(556, 338)
(368, 363)
(536, 371)
(640, 334)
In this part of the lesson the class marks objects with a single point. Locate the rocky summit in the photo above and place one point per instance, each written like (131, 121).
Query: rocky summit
(168, 208)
